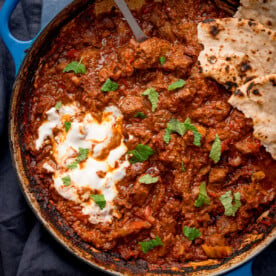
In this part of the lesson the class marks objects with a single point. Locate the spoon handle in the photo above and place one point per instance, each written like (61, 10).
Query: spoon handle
(137, 31)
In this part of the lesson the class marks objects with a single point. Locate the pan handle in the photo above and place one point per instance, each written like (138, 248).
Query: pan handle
(245, 270)
(16, 47)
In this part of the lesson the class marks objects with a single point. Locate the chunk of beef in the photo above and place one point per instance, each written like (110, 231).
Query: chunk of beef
(177, 60)
(140, 193)
(131, 104)
(148, 52)
(248, 145)
(117, 64)
(218, 175)
(211, 113)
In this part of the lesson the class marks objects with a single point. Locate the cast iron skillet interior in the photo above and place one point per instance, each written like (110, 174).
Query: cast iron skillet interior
(46, 213)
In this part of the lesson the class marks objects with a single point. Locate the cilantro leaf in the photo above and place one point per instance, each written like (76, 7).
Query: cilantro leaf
(66, 180)
(202, 196)
(153, 97)
(140, 153)
(148, 179)
(99, 200)
(83, 154)
(178, 84)
(215, 152)
(191, 233)
(76, 67)
(109, 85)
(67, 126)
(226, 200)
(181, 128)
(140, 115)
(149, 245)
(58, 105)
(162, 60)
(183, 169)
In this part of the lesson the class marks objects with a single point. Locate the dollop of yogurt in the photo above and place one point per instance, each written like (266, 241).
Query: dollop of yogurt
(100, 170)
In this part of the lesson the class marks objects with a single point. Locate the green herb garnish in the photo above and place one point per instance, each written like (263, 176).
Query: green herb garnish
(99, 200)
(140, 115)
(109, 85)
(181, 128)
(226, 200)
(162, 60)
(148, 179)
(178, 84)
(58, 105)
(73, 165)
(66, 180)
(202, 196)
(149, 245)
(153, 97)
(197, 135)
(83, 154)
(140, 153)
(183, 169)
(67, 126)
(76, 67)
(215, 152)
(191, 233)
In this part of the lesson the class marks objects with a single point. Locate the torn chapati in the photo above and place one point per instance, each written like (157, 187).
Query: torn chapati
(257, 100)
(264, 11)
(236, 51)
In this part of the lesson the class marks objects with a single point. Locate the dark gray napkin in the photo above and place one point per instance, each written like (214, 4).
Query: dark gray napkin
(25, 247)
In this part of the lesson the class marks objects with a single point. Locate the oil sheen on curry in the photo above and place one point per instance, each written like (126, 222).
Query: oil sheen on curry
(140, 153)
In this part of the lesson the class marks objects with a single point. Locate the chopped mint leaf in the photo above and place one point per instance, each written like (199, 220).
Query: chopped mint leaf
(140, 153)
(178, 84)
(226, 200)
(175, 126)
(181, 128)
(67, 126)
(148, 179)
(183, 169)
(99, 200)
(66, 180)
(73, 165)
(202, 196)
(153, 97)
(162, 60)
(191, 233)
(140, 115)
(58, 105)
(215, 152)
(197, 135)
(83, 154)
(167, 136)
(76, 67)
(109, 85)
(149, 245)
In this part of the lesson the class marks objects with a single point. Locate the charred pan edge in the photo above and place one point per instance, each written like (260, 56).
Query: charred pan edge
(46, 213)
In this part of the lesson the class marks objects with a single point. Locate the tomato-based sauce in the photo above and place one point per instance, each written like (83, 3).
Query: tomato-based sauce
(190, 204)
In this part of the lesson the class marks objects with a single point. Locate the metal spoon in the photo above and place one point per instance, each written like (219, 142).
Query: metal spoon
(137, 31)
